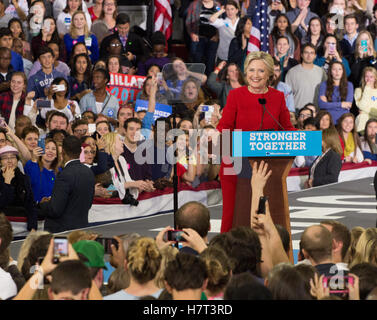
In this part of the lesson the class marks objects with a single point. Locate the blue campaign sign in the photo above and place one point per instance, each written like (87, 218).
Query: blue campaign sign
(277, 143)
(161, 110)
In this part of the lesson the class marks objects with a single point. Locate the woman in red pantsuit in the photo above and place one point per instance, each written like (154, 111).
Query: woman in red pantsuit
(243, 111)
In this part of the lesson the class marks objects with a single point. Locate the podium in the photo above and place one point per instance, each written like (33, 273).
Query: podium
(278, 149)
(275, 190)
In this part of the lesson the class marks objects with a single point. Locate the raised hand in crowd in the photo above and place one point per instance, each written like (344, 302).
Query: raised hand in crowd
(221, 66)
(161, 240)
(37, 152)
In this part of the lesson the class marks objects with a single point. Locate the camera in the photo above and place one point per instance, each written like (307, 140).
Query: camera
(129, 199)
(175, 235)
(262, 205)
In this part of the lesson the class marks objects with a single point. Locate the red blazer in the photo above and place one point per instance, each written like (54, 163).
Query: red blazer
(243, 111)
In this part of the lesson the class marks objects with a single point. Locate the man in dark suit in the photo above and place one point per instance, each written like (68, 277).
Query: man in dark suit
(133, 47)
(73, 192)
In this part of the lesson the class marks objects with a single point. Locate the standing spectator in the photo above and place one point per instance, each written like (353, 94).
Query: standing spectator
(283, 87)
(15, 26)
(16, 198)
(300, 17)
(336, 94)
(238, 46)
(99, 100)
(79, 32)
(349, 138)
(204, 37)
(282, 55)
(41, 81)
(315, 34)
(4, 19)
(42, 169)
(18, 9)
(18, 47)
(368, 140)
(326, 168)
(305, 91)
(331, 52)
(365, 98)
(282, 27)
(81, 76)
(230, 77)
(96, 10)
(6, 41)
(64, 20)
(73, 191)
(226, 27)
(48, 33)
(347, 44)
(106, 23)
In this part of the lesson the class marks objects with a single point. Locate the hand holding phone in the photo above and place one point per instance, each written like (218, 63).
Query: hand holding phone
(364, 46)
(174, 235)
(262, 205)
(106, 243)
(60, 249)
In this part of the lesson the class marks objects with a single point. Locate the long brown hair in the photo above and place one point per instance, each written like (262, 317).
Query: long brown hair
(343, 85)
(330, 137)
(353, 132)
(224, 74)
(55, 163)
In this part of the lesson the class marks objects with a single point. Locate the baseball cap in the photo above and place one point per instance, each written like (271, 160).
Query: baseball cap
(8, 149)
(93, 251)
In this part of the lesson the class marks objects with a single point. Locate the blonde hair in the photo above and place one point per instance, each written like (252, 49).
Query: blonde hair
(73, 30)
(110, 139)
(370, 43)
(355, 236)
(266, 58)
(168, 254)
(365, 70)
(144, 259)
(366, 248)
(26, 244)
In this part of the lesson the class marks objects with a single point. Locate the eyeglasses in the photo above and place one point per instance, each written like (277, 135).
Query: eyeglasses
(115, 45)
(89, 152)
(9, 158)
(81, 131)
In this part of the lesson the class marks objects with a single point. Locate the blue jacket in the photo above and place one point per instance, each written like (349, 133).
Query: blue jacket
(91, 45)
(39, 81)
(16, 61)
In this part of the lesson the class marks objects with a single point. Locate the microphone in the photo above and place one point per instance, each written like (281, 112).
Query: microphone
(263, 102)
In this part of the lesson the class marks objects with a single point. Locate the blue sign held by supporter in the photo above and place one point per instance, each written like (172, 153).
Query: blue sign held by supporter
(161, 110)
(277, 143)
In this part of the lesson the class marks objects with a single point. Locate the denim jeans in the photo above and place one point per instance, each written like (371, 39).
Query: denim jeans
(204, 51)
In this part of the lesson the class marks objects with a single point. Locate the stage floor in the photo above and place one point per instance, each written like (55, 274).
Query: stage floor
(352, 203)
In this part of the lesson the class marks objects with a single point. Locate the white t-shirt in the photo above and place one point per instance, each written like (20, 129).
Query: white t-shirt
(99, 106)
(8, 288)
(66, 110)
(12, 117)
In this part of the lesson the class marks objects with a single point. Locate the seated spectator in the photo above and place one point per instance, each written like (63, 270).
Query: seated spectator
(282, 55)
(326, 168)
(341, 242)
(80, 78)
(238, 46)
(283, 87)
(80, 32)
(99, 100)
(331, 52)
(324, 120)
(245, 286)
(16, 196)
(158, 56)
(368, 140)
(218, 270)
(282, 27)
(310, 124)
(143, 262)
(48, 33)
(16, 27)
(230, 77)
(58, 96)
(186, 277)
(57, 64)
(6, 41)
(18, 48)
(286, 283)
(315, 33)
(226, 26)
(365, 98)
(303, 114)
(8, 288)
(41, 81)
(336, 94)
(350, 139)
(42, 169)
(364, 56)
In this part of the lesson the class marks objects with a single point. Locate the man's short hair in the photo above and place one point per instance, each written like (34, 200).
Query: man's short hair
(340, 232)
(310, 121)
(5, 32)
(27, 130)
(6, 233)
(351, 16)
(304, 46)
(318, 243)
(72, 147)
(44, 50)
(367, 274)
(70, 275)
(186, 271)
(54, 113)
(122, 18)
(5, 50)
(78, 122)
(129, 120)
(193, 215)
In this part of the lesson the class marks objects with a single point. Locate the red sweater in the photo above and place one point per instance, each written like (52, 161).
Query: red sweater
(243, 111)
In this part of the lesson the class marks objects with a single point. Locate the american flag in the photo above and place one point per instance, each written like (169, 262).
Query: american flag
(258, 40)
(163, 17)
